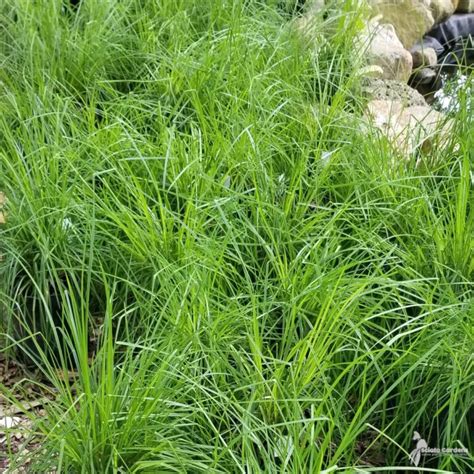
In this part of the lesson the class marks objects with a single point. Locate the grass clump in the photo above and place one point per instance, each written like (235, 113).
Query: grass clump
(270, 294)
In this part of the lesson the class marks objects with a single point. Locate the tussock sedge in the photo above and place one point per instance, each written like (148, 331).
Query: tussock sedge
(213, 267)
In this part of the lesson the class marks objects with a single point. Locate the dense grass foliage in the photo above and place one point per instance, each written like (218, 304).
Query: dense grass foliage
(273, 289)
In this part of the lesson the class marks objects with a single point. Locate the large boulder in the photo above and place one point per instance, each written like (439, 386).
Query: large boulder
(385, 50)
(409, 129)
(465, 6)
(410, 18)
(442, 9)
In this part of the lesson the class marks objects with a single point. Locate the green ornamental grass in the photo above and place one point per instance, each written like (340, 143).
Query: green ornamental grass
(229, 272)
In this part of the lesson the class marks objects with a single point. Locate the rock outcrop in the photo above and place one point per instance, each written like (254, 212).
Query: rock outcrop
(395, 52)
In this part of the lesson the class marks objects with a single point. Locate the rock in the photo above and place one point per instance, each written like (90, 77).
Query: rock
(452, 39)
(427, 81)
(426, 75)
(409, 129)
(410, 18)
(442, 9)
(465, 6)
(457, 26)
(380, 89)
(386, 51)
(423, 57)
(429, 42)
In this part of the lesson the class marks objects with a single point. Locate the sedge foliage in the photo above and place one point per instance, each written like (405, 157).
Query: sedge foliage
(272, 288)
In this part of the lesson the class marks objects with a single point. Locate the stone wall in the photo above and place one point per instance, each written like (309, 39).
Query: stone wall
(395, 33)
(394, 47)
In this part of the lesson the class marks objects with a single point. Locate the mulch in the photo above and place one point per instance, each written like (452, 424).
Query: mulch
(22, 400)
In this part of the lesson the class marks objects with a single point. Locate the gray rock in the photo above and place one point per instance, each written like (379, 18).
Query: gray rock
(456, 27)
(380, 89)
(425, 76)
(452, 40)
(427, 81)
